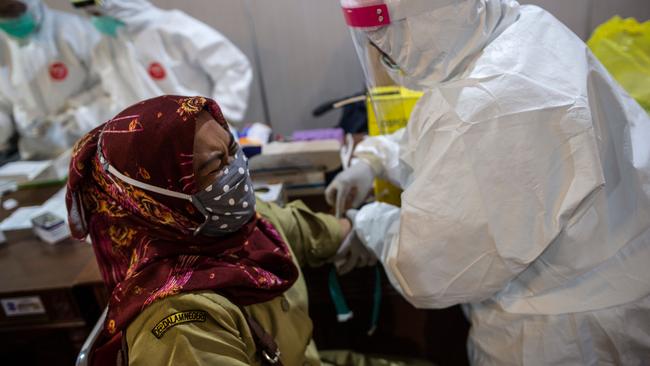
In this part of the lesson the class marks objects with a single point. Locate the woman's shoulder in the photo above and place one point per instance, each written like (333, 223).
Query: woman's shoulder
(187, 307)
(201, 317)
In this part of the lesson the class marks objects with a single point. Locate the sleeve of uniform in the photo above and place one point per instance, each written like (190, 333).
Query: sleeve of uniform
(88, 110)
(314, 237)
(377, 225)
(227, 67)
(212, 332)
(486, 199)
(7, 128)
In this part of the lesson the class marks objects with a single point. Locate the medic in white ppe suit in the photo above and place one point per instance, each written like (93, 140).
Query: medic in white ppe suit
(47, 97)
(526, 177)
(147, 52)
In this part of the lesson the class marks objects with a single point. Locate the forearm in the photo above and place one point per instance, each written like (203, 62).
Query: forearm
(345, 227)
(313, 237)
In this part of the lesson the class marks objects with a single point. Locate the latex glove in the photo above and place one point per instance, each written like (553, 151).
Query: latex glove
(350, 188)
(353, 253)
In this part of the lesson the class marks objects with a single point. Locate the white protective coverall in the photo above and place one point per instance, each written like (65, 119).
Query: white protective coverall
(526, 177)
(168, 52)
(47, 94)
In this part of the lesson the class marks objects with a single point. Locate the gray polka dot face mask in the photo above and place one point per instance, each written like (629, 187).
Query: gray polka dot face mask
(229, 202)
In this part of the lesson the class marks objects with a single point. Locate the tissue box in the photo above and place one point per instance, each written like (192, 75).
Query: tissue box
(50, 228)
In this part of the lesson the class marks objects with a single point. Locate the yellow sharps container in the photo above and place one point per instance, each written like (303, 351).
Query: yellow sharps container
(389, 109)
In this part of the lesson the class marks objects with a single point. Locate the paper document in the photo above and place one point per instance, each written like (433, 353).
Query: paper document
(22, 217)
(23, 171)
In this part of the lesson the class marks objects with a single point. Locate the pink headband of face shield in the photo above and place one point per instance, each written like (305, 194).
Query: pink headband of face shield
(379, 13)
(365, 13)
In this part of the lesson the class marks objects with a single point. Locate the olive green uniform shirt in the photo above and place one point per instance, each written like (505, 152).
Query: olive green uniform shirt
(204, 328)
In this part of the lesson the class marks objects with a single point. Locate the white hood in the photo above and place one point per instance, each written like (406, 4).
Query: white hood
(437, 45)
(132, 12)
(37, 8)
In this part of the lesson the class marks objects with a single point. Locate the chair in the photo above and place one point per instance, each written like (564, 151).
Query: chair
(84, 354)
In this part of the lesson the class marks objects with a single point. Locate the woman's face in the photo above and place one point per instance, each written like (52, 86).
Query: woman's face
(213, 149)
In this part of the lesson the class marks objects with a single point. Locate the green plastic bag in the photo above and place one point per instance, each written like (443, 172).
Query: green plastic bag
(623, 46)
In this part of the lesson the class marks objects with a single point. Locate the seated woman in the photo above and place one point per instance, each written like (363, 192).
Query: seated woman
(200, 272)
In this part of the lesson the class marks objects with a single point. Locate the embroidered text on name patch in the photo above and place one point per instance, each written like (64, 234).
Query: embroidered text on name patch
(176, 319)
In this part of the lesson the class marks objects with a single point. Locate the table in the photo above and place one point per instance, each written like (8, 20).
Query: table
(66, 280)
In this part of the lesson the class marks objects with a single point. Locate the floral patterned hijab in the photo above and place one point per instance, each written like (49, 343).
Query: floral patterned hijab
(143, 241)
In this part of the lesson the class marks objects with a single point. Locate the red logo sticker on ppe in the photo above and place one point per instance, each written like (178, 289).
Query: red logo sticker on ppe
(157, 71)
(58, 71)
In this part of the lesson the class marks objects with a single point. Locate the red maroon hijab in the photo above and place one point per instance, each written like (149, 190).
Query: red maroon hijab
(143, 241)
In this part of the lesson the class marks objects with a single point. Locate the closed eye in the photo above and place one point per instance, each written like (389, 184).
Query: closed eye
(217, 156)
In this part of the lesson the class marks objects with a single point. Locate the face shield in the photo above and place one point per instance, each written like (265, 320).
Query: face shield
(389, 102)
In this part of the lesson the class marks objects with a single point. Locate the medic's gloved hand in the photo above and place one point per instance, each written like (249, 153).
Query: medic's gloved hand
(353, 253)
(351, 187)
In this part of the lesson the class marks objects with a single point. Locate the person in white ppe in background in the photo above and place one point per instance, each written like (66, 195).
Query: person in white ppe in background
(47, 97)
(526, 177)
(147, 52)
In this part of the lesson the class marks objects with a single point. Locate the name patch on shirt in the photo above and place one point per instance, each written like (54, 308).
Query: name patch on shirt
(175, 319)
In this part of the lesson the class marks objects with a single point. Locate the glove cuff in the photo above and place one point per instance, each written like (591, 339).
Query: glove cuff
(372, 161)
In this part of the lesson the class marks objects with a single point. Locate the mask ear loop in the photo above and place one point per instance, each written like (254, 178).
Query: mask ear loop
(104, 163)
(112, 171)
(205, 213)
